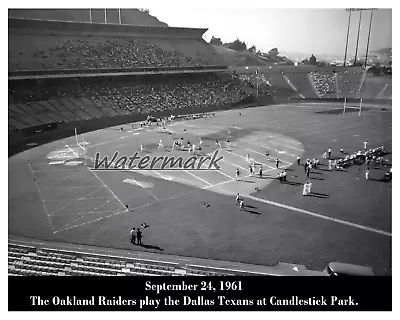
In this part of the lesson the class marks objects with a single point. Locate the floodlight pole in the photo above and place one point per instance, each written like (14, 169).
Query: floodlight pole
(369, 34)
(90, 15)
(358, 36)
(347, 39)
(105, 15)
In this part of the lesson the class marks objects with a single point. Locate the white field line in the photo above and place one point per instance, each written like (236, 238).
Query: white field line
(381, 91)
(41, 197)
(264, 154)
(105, 185)
(278, 143)
(84, 198)
(84, 213)
(268, 147)
(351, 224)
(238, 155)
(76, 187)
(147, 204)
(144, 188)
(197, 177)
(70, 202)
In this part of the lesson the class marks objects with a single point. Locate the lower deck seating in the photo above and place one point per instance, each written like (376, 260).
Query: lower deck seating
(27, 260)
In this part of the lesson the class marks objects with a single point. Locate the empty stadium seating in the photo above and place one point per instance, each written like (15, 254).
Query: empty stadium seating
(29, 260)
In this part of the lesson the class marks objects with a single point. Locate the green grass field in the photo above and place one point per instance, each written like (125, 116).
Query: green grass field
(75, 205)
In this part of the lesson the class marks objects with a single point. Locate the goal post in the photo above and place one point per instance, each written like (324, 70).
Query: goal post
(359, 112)
(344, 105)
(83, 145)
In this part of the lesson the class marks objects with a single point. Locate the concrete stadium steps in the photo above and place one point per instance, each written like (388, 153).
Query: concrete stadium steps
(80, 109)
(280, 88)
(348, 83)
(325, 83)
(105, 106)
(45, 114)
(17, 123)
(91, 107)
(62, 110)
(372, 87)
(302, 83)
(27, 260)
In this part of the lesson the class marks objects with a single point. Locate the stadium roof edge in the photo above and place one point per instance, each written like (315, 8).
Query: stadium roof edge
(54, 25)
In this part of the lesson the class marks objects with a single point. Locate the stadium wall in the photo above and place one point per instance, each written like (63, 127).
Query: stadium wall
(15, 24)
(128, 16)
(22, 140)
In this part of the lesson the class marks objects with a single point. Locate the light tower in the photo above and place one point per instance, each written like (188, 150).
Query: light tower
(358, 32)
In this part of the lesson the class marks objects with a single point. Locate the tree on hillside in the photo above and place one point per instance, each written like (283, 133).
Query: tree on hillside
(216, 41)
(312, 60)
(252, 49)
(144, 10)
(237, 45)
(273, 54)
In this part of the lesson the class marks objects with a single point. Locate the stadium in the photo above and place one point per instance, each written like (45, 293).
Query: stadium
(83, 90)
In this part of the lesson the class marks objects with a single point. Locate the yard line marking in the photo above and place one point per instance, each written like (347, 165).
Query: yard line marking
(83, 213)
(264, 155)
(67, 177)
(106, 186)
(151, 203)
(268, 147)
(41, 196)
(197, 177)
(70, 202)
(351, 224)
(144, 188)
(60, 170)
(76, 187)
(238, 155)
(236, 165)
(271, 140)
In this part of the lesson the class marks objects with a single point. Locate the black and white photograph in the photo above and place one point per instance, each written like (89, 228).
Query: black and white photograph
(196, 151)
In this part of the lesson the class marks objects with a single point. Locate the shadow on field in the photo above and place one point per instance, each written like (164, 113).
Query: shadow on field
(292, 183)
(318, 195)
(252, 211)
(148, 246)
(315, 178)
(379, 180)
